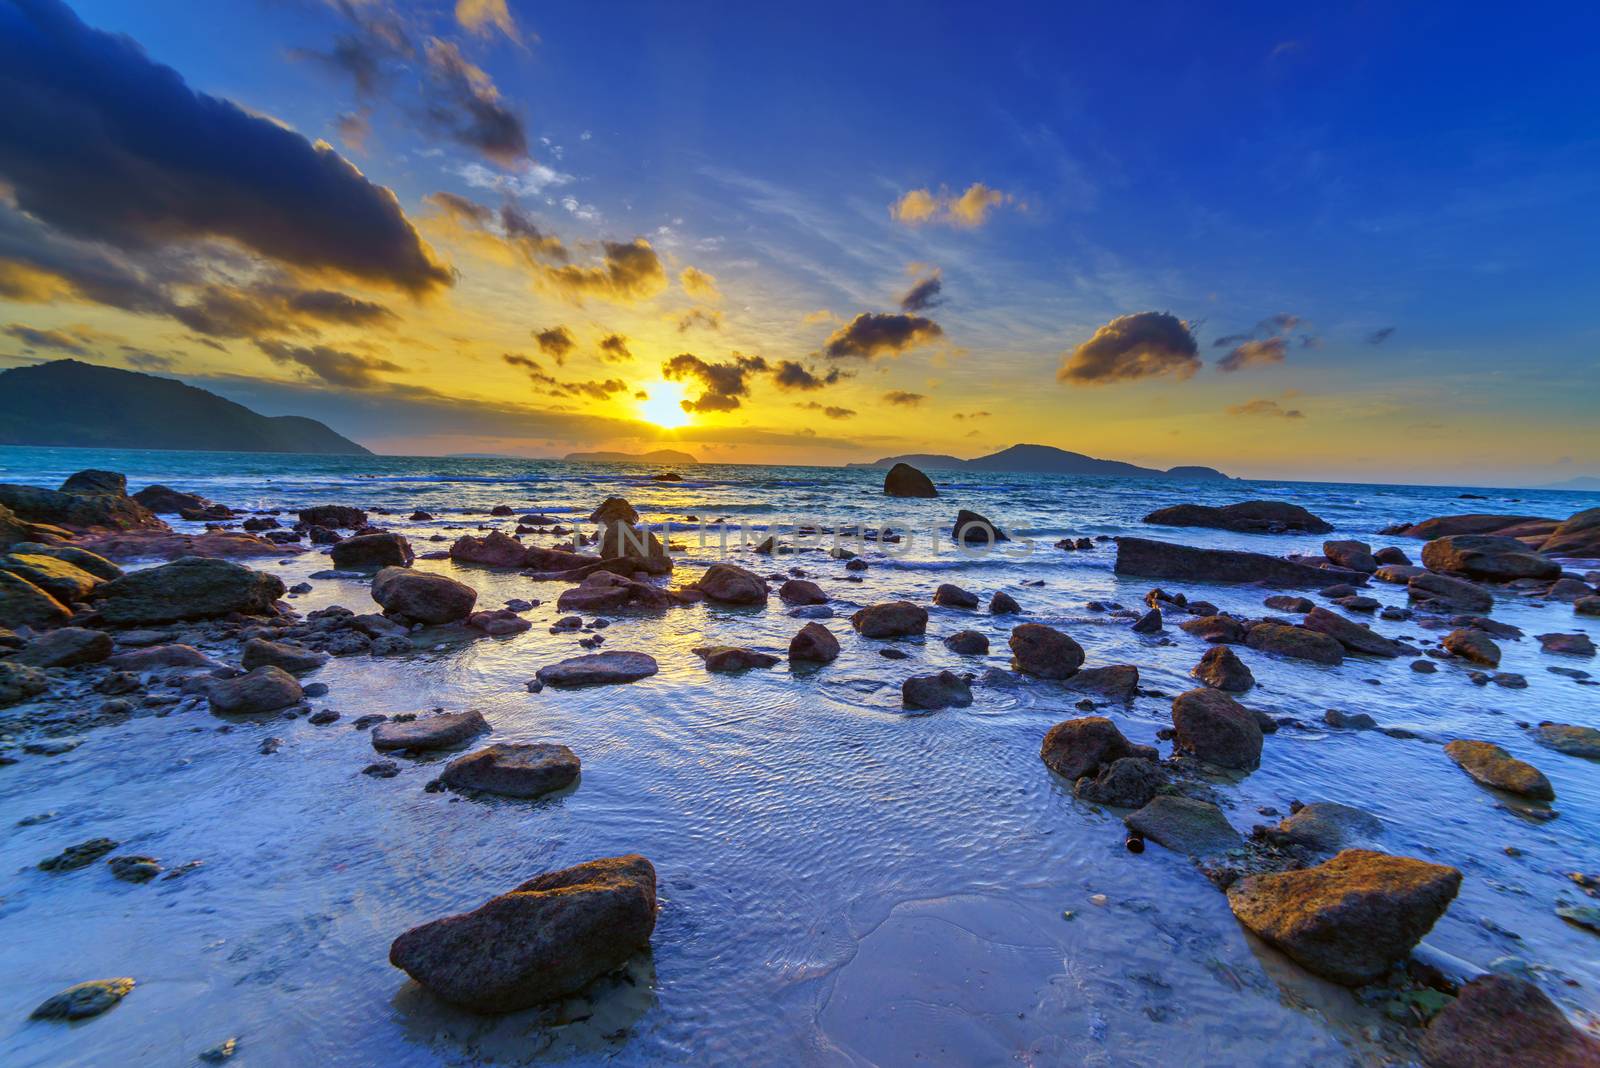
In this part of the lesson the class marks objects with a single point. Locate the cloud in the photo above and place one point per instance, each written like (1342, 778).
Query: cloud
(333, 366)
(334, 307)
(870, 335)
(1268, 343)
(722, 383)
(1129, 347)
(903, 399)
(466, 106)
(1254, 353)
(1263, 407)
(966, 210)
(614, 347)
(353, 128)
(709, 318)
(57, 340)
(105, 145)
(555, 342)
(546, 383)
(630, 271)
(699, 284)
(832, 411)
(792, 376)
(146, 361)
(963, 416)
(483, 17)
(924, 294)
(507, 235)
(1378, 337)
(821, 315)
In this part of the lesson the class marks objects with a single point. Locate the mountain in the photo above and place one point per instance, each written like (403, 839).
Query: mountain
(1044, 460)
(659, 456)
(1585, 483)
(83, 405)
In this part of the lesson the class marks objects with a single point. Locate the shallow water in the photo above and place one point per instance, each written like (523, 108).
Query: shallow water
(840, 883)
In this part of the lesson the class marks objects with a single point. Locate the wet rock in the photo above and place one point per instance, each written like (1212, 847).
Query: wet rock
(967, 643)
(1185, 825)
(1349, 919)
(548, 938)
(1473, 646)
(1221, 669)
(1129, 782)
(1487, 557)
(1078, 747)
(952, 596)
(22, 604)
(1295, 642)
(1424, 667)
(1349, 721)
(1044, 651)
(420, 597)
(266, 689)
(1352, 635)
(1247, 517)
(66, 647)
(1499, 1021)
(64, 581)
(933, 692)
(1149, 623)
(1283, 602)
(1119, 682)
(134, 867)
(801, 591)
(221, 1052)
(970, 528)
(164, 500)
(1391, 554)
(614, 510)
(640, 548)
(598, 669)
(514, 769)
(496, 549)
(84, 1000)
(78, 856)
(498, 623)
(370, 552)
(1216, 628)
(323, 717)
(727, 658)
(1164, 560)
(1568, 589)
(814, 644)
(1399, 574)
(1003, 604)
(443, 730)
(1326, 826)
(903, 480)
(154, 657)
(188, 588)
(1492, 766)
(1567, 738)
(1355, 555)
(731, 584)
(602, 591)
(295, 659)
(1444, 594)
(1215, 728)
(1579, 644)
(896, 619)
(89, 503)
(1587, 606)
(334, 517)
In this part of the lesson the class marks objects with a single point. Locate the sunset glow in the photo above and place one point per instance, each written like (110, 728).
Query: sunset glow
(663, 405)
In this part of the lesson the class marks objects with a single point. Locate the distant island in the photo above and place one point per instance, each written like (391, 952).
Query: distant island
(68, 403)
(1043, 460)
(659, 456)
(1584, 483)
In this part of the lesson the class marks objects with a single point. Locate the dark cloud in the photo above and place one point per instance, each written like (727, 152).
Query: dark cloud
(462, 209)
(904, 399)
(548, 384)
(832, 411)
(99, 142)
(555, 343)
(629, 271)
(1268, 343)
(723, 383)
(466, 106)
(709, 318)
(146, 361)
(524, 235)
(925, 294)
(518, 360)
(55, 340)
(508, 232)
(333, 366)
(1130, 347)
(334, 307)
(870, 335)
(1261, 406)
(794, 376)
(1378, 337)
(1254, 353)
(963, 416)
(614, 347)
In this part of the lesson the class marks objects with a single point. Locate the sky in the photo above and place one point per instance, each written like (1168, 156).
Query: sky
(1349, 242)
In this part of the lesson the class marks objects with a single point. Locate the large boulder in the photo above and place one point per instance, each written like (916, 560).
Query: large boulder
(933, 692)
(1446, 525)
(514, 769)
(1351, 918)
(641, 549)
(814, 644)
(334, 517)
(266, 689)
(598, 669)
(164, 500)
(973, 529)
(92, 501)
(22, 604)
(732, 584)
(1164, 560)
(493, 550)
(187, 588)
(895, 619)
(602, 591)
(1445, 594)
(1492, 766)
(419, 597)
(442, 730)
(1078, 747)
(1499, 1021)
(1044, 651)
(903, 480)
(1298, 643)
(614, 510)
(1354, 555)
(1578, 537)
(370, 552)
(1350, 634)
(548, 938)
(1487, 557)
(1213, 727)
(80, 558)
(1247, 517)
(67, 583)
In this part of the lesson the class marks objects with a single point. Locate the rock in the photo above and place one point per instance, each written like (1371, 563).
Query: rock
(1163, 560)
(598, 669)
(1569, 739)
(967, 643)
(1078, 747)
(973, 529)
(153, 657)
(84, 560)
(1296, 642)
(1443, 593)
(1354, 555)
(1129, 782)
(1391, 554)
(814, 644)
(1247, 517)
(602, 591)
(19, 683)
(1492, 766)
(1578, 536)
(1119, 682)
(933, 692)
(1399, 574)
(66, 647)
(442, 730)
(1326, 826)
(1214, 628)
(1351, 721)
(800, 591)
(66, 582)
(22, 604)
(903, 480)
(369, 552)
(1447, 525)
(221, 1052)
(514, 769)
(1287, 603)
(295, 659)
(420, 597)
(1352, 635)
(1215, 728)
(726, 658)
(1149, 623)
(951, 596)
(614, 510)
(1185, 825)
(1568, 589)
(498, 623)
(1003, 604)
(896, 619)
(84, 1000)
(1349, 919)
(164, 500)
(78, 856)
(334, 517)
(1487, 557)
(1579, 644)
(1473, 646)
(548, 938)
(1221, 669)
(1499, 1021)
(641, 549)
(1587, 606)
(266, 689)
(1044, 651)
(77, 510)
(134, 868)
(188, 588)
(731, 584)
(493, 550)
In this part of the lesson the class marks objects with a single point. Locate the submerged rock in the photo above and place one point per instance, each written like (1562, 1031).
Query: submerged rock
(1044, 651)
(814, 644)
(443, 730)
(1298, 643)
(949, 595)
(514, 769)
(1579, 644)
(1247, 517)
(896, 619)
(80, 855)
(1185, 825)
(732, 584)
(933, 692)
(1499, 1021)
(1493, 766)
(1569, 739)
(84, 1000)
(548, 938)
(1213, 727)
(1351, 918)
(903, 480)
(727, 658)
(598, 669)
(1326, 826)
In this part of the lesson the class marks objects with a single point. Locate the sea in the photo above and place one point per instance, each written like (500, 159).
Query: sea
(841, 883)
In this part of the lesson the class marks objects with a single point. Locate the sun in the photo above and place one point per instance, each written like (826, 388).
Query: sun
(663, 405)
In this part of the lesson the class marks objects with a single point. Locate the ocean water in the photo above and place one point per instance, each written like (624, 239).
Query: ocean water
(840, 883)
